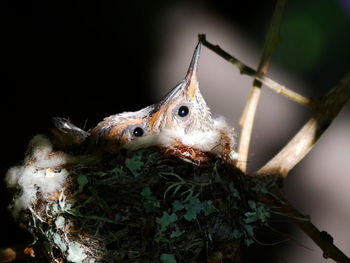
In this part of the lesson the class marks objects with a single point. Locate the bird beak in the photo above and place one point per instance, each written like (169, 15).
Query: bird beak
(191, 79)
(188, 86)
(185, 89)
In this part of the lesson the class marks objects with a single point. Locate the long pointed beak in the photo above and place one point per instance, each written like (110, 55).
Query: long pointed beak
(185, 88)
(188, 86)
(191, 79)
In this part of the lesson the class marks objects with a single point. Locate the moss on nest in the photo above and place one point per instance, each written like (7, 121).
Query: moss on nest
(145, 206)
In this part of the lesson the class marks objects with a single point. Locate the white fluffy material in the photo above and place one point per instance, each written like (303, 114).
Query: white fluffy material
(204, 141)
(209, 141)
(40, 151)
(40, 172)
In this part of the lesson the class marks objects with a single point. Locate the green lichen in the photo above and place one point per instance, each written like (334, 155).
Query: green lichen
(259, 213)
(59, 242)
(150, 201)
(166, 220)
(60, 222)
(177, 206)
(82, 181)
(76, 253)
(177, 232)
(167, 258)
(134, 164)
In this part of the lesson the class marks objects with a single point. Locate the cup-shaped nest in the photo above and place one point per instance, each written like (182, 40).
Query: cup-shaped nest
(140, 206)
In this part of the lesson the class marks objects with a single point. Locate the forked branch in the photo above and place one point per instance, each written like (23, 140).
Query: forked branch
(328, 108)
(247, 119)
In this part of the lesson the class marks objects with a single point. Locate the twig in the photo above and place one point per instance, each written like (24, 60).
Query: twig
(328, 108)
(321, 239)
(246, 70)
(247, 119)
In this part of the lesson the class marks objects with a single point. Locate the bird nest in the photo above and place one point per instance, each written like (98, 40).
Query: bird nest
(142, 206)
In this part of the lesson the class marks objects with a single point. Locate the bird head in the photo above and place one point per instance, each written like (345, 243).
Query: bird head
(127, 129)
(183, 108)
(182, 111)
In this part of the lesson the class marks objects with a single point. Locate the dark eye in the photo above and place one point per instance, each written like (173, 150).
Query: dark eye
(138, 132)
(183, 111)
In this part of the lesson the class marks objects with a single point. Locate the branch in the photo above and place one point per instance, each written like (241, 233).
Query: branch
(246, 70)
(321, 238)
(247, 119)
(247, 122)
(328, 108)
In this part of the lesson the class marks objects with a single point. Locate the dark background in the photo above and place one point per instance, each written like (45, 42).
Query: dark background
(86, 60)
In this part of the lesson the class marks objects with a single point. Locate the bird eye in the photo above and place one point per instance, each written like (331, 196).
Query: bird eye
(138, 132)
(183, 111)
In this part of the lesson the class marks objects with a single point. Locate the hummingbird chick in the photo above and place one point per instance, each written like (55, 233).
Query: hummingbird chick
(181, 124)
(129, 130)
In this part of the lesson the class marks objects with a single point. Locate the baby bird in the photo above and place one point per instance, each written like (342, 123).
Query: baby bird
(181, 124)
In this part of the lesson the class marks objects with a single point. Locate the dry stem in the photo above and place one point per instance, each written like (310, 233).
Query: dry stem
(321, 239)
(247, 119)
(247, 122)
(328, 108)
(246, 70)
